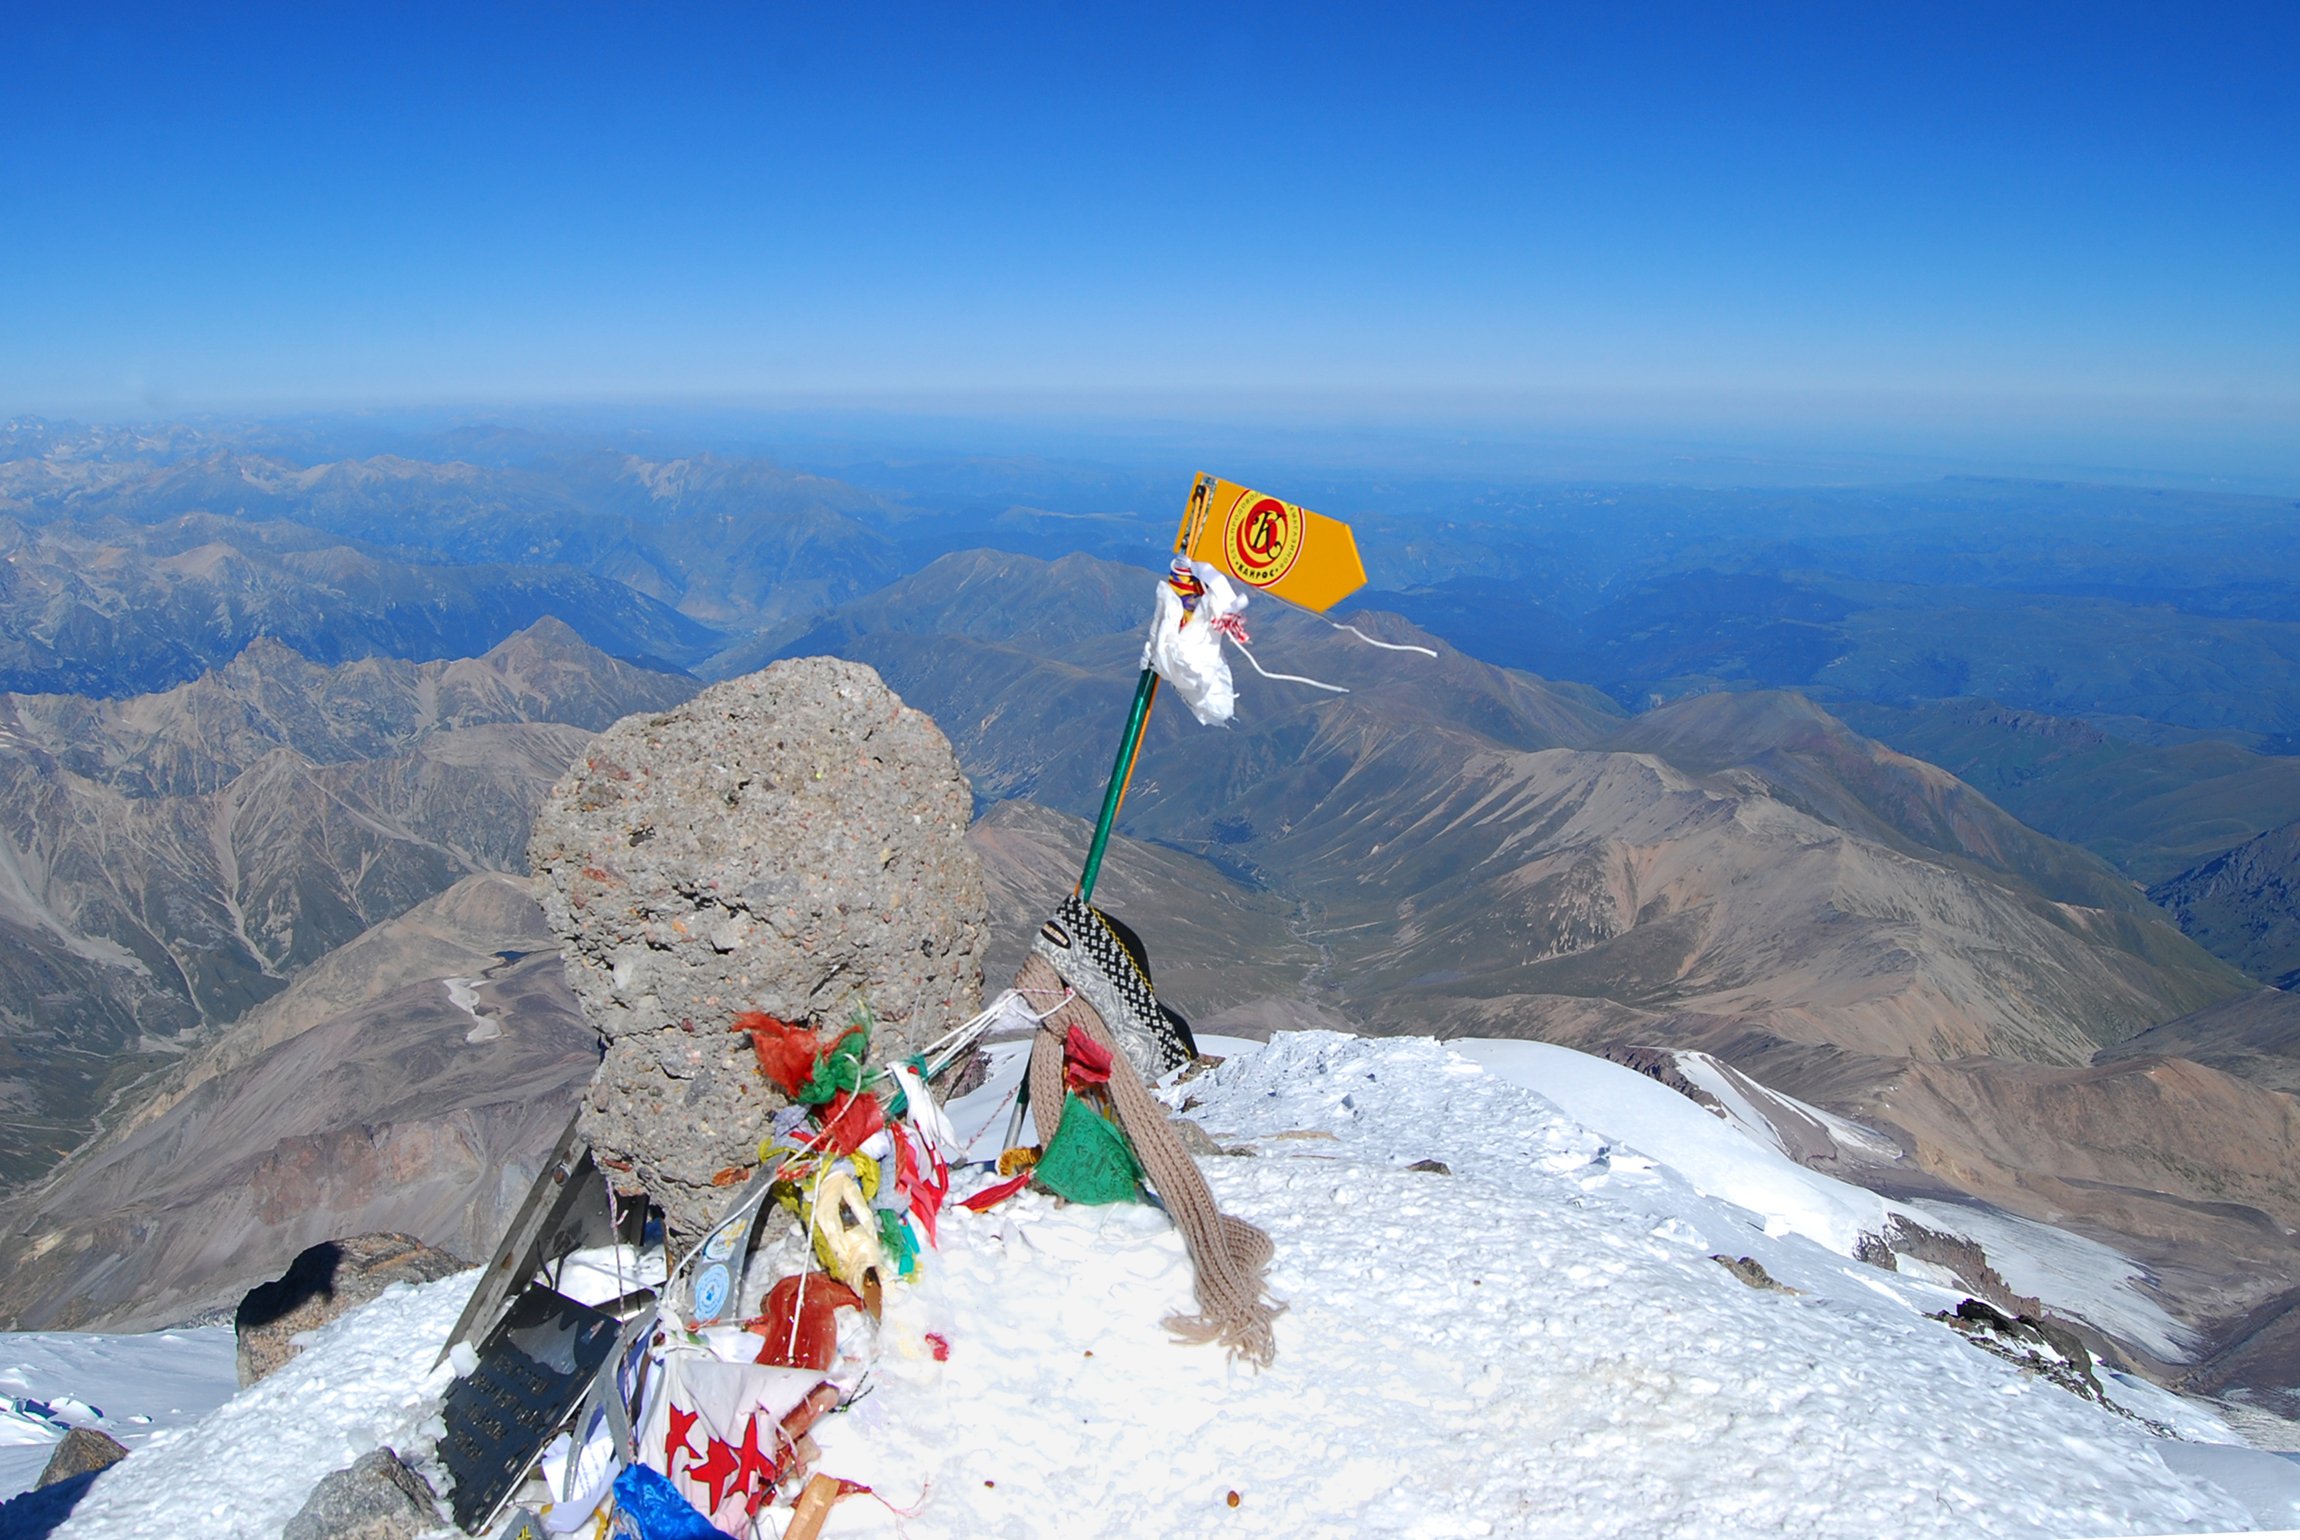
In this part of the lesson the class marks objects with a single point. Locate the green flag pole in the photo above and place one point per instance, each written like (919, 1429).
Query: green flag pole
(1138, 717)
(1121, 771)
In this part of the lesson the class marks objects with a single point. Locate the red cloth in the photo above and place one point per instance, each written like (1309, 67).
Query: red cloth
(1085, 1062)
(991, 1197)
(787, 1054)
(802, 1333)
(924, 1181)
(851, 1117)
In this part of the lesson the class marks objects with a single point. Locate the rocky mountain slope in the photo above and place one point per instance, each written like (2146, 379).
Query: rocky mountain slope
(2254, 1037)
(1465, 839)
(2244, 905)
(1459, 848)
(2152, 809)
(1222, 952)
(295, 1103)
(169, 861)
(412, 1083)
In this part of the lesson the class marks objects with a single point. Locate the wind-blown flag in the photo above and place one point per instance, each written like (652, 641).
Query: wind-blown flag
(1277, 547)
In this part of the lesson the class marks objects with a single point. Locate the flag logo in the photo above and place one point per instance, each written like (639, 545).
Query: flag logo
(1262, 539)
(1269, 544)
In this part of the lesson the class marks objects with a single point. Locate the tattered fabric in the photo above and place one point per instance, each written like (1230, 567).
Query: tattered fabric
(1228, 1255)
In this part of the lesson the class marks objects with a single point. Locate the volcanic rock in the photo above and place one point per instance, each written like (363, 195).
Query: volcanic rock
(326, 1281)
(793, 842)
(375, 1498)
(81, 1452)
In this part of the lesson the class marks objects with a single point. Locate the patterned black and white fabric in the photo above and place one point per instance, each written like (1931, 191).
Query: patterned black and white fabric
(1092, 953)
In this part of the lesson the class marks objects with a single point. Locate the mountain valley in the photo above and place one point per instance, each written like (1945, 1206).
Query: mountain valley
(273, 974)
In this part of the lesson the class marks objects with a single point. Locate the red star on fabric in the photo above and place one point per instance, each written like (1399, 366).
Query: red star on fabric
(756, 1472)
(682, 1423)
(715, 1472)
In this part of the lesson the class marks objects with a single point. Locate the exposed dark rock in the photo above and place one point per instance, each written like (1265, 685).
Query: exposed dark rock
(969, 1074)
(2042, 1347)
(1752, 1272)
(2244, 904)
(82, 1452)
(1661, 1064)
(1433, 1167)
(324, 1282)
(793, 842)
(1964, 1259)
(375, 1498)
(1195, 1139)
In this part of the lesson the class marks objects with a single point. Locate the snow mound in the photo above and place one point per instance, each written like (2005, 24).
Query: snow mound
(244, 1470)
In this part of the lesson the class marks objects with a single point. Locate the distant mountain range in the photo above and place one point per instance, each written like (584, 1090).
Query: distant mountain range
(172, 860)
(130, 567)
(253, 821)
(112, 608)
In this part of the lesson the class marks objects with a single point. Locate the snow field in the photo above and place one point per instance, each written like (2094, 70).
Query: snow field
(1739, 1162)
(1537, 1344)
(131, 1387)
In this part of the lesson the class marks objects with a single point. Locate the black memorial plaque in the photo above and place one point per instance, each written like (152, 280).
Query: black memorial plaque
(534, 1370)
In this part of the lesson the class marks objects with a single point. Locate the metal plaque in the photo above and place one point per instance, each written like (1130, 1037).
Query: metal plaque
(535, 1368)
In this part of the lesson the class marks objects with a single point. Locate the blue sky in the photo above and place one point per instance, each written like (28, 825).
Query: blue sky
(1887, 212)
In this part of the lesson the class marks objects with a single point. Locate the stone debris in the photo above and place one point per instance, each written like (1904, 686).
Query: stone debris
(81, 1452)
(1752, 1272)
(323, 1282)
(2043, 1348)
(792, 842)
(375, 1498)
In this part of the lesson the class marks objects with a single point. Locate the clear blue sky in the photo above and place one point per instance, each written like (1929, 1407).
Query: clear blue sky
(1530, 203)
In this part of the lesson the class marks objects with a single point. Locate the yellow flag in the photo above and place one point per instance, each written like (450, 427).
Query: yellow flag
(1278, 547)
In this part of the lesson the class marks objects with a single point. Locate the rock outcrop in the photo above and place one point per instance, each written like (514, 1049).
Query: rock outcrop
(81, 1452)
(326, 1281)
(794, 842)
(375, 1498)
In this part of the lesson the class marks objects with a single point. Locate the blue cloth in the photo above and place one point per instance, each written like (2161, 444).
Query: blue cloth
(646, 1499)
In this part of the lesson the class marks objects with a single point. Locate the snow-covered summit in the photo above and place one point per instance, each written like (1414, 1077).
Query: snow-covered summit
(1533, 1340)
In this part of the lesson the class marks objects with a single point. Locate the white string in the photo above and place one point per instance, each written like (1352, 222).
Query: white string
(1315, 684)
(1068, 995)
(1373, 641)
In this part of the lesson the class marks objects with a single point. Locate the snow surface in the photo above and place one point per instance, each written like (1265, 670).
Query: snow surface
(244, 1470)
(1537, 1344)
(130, 1387)
(1739, 1162)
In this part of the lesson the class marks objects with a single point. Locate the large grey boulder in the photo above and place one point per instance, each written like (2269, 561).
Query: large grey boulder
(794, 842)
(323, 1282)
(376, 1497)
(82, 1451)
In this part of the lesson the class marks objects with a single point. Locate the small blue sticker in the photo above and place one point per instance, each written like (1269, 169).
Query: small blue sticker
(721, 1245)
(711, 1292)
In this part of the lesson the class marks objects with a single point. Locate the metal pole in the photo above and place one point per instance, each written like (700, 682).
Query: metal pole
(1128, 744)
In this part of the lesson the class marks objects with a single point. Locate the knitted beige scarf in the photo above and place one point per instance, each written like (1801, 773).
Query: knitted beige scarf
(1228, 1255)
